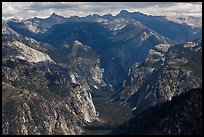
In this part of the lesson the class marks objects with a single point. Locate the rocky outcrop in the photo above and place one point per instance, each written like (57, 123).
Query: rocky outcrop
(27, 53)
(29, 113)
(166, 72)
(89, 71)
(83, 63)
(47, 94)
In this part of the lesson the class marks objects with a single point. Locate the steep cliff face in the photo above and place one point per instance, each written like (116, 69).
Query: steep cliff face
(49, 96)
(83, 63)
(87, 65)
(166, 72)
(29, 113)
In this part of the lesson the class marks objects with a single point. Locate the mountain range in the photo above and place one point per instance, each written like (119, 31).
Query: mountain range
(51, 68)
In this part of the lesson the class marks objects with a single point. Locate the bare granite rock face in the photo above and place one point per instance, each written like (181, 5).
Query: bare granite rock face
(83, 62)
(166, 72)
(40, 96)
(82, 100)
(29, 113)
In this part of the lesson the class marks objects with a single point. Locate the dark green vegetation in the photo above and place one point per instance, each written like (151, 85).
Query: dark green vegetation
(111, 114)
(180, 116)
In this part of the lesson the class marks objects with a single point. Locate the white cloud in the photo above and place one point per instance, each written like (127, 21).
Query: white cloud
(25, 10)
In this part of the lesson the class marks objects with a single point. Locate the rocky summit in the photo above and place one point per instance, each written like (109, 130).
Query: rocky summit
(101, 74)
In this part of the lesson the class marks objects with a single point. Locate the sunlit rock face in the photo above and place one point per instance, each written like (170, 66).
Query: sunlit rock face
(166, 72)
(29, 113)
(82, 99)
(40, 96)
(86, 67)
(29, 54)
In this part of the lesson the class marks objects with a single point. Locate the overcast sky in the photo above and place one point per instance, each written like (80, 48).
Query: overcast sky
(25, 10)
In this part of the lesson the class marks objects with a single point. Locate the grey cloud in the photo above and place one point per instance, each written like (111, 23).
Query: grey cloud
(51, 5)
(44, 9)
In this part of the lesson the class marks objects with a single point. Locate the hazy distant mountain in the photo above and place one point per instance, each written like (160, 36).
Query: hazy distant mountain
(192, 21)
(48, 22)
(173, 30)
(166, 28)
(37, 25)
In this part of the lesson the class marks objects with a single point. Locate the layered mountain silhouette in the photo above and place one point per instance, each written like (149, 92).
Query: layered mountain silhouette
(51, 67)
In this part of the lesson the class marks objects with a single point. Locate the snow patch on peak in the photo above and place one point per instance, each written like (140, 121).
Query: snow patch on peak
(117, 24)
(144, 36)
(95, 87)
(76, 42)
(134, 108)
(119, 27)
(100, 20)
